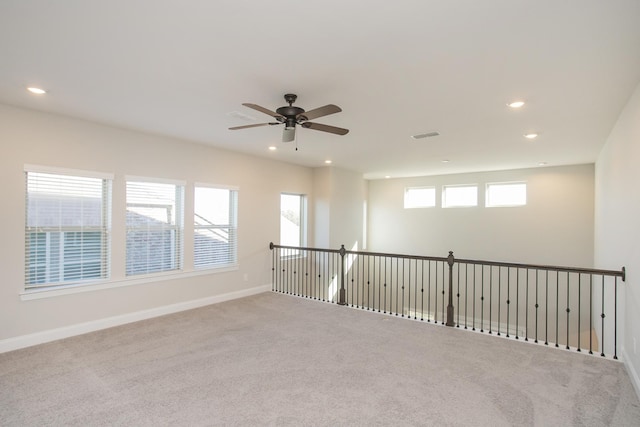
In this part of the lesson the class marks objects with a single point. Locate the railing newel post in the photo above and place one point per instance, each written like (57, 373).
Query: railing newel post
(450, 261)
(342, 300)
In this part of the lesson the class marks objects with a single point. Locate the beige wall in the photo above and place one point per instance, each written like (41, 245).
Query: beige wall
(29, 137)
(555, 227)
(617, 223)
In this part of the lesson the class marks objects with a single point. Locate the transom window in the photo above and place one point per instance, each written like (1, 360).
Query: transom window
(457, 196)
(419, 197)
(506, 194)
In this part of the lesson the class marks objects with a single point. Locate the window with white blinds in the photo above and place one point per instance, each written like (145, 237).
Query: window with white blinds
(215, 237)
(155, 226)
(67, 227)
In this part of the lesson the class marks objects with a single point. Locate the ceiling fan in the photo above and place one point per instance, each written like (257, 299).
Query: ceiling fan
(291, 116)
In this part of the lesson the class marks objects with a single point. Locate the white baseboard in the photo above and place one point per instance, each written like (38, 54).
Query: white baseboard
(29, 340)
(633, 374)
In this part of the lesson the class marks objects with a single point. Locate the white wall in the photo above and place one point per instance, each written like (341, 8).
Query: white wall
(339, 198)
(555, 227)
(43, 139)
(617, 222)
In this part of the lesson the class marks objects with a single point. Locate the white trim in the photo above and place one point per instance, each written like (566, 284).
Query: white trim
(216, 186)
(68, 172)
(155, 180)
(54, 291)
(42, 337)
(633, 374)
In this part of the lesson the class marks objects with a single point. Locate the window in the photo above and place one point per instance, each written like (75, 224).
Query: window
(419, 197)
(215, 237)
(293, 218)
(455, 196)
(154, 227)
(67, 227)
(506, 194)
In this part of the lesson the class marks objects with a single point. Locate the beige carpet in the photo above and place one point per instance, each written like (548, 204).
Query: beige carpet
(274, 359)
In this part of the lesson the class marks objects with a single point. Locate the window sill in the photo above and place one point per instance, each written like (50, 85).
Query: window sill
(54, 291)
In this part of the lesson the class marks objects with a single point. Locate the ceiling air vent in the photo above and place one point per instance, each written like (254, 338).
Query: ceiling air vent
(425, 135)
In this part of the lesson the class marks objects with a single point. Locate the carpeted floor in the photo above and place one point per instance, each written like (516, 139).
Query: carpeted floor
(273, 359)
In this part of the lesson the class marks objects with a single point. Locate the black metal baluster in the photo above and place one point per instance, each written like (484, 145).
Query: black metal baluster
(316, 292)
(415, 295)
(579, 307)
(537, 305)
(615, 317)
(490, 298)
(404, 273)
(422, 292)
(591, 313)
(602, 317)
(482, 298)
(443, 294)
(466, 293)
(384, 309)
(429, 292)
(474, 296)
(499, 297)
(546, 308)
(568, 310)
(526, 311)
(557, 308)
(458, 296)
(508, 298)
(517, 301)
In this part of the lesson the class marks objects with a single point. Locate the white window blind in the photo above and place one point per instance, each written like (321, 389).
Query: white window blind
(215, 237)
(67, 228)
(154, 227)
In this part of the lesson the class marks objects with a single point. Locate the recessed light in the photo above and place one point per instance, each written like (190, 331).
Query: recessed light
(273, 148)
(531, 135)
(542, 163)
(387, 176)
(328, 162)
(516, 104)
(36, 90)
(444, 161)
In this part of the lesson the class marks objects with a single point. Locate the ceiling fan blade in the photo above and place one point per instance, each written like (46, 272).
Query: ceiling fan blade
(320, 112)
(254, 126)
(325, 128)
(264, 110)
(288, 134)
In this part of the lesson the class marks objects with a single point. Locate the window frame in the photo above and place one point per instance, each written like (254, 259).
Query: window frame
(302, 235)
(233, 194)
(487, 199)
(418, 206)
(444, 196)
(57, 260)
(177, 227)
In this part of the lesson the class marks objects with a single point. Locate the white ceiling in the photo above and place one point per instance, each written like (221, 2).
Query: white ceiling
(182, 68)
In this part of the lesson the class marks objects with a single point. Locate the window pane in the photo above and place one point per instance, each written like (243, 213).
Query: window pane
(507, 194)
(459, 196)
(419, 197)
(215, 236)
(154, 227)
(291, 219)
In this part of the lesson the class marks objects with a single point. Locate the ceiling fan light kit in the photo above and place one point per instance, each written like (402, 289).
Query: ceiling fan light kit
(291, 116)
